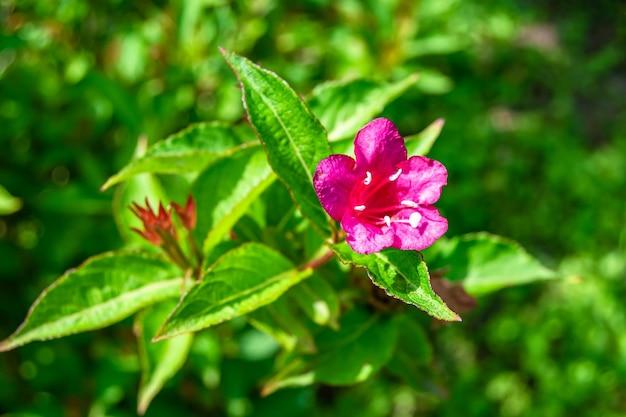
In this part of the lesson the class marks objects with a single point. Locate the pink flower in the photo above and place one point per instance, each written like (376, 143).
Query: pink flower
(383, 199)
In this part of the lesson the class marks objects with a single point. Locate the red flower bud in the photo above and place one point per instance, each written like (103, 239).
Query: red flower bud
(156, 224)
(187, 214)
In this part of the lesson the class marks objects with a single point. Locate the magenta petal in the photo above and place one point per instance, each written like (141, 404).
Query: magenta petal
(379, 147)
(333, 180)
(430, 227)
(366, 238)
(421, 180)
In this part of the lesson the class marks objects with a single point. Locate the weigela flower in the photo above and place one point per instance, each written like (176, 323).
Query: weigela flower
(383, 199)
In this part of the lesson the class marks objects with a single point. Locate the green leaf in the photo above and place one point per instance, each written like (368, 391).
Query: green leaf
(403, 275)
(8, 203)
(293, 138)
(159, 361)
(189, 150)
(486, 263)
(363, 344)
(102, 291)
(280, 322)
(422, 142)
(225, 190)
(318, 300)
(136, 189)
(241, 281)
(413, 353)
(344, 107)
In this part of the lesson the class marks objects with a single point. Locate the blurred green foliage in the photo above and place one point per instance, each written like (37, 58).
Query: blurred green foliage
(533, 97)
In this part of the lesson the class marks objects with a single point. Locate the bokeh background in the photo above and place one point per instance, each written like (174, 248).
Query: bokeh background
(533, 94)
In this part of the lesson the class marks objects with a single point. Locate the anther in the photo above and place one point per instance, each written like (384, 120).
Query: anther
(396, 175)
(414, 219)
(359, 208)
(368, 178)
(409, 203)
(387, 220)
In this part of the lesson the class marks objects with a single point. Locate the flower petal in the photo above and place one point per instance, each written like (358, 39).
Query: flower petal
(333, 180)
(421, 180)
(430, 227)
(366, 238)
(378, 147)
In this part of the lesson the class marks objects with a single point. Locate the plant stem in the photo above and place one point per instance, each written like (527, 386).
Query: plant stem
(318, 262)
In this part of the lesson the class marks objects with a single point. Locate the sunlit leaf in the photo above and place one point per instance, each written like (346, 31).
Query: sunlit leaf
(102, 291)
(403, 275)
(344, 107)
(422, 142)
(225, 190)
(8, 203)
(189, 150)
(241, 281)
(483, 262)
(159, 361)
(293, 138)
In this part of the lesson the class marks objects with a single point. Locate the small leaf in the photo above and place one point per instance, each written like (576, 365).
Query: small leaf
(293, 138)
(102, 291)
(280, 322)
(8, 203)
(344, 107)
(422, 142)
(484, 263)
(225, 190)
(159, 361)
(189, 150)
(363, 344)
(318, 300)
(241, 281)
(403, 275)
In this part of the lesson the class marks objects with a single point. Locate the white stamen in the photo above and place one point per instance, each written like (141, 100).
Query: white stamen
(396, 175)
(368, 178)
(409, 203)
(387, 220)
(414, 219)
(359, 208)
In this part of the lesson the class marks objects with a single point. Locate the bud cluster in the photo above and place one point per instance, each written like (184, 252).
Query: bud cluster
(159, 229)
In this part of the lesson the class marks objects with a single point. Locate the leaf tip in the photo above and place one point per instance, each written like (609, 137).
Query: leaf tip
(6, 345)
(110, 182)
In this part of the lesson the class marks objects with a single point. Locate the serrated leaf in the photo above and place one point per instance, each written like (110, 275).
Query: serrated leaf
(363, 344)
(241, 281)
(422, 142)
(225, 190)
(159, 361)
(403, 275)
(105, 289)
(484, 263)
(8, 203)
(346, 106)
(189, 150)
(318, 300)
(293, 138)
